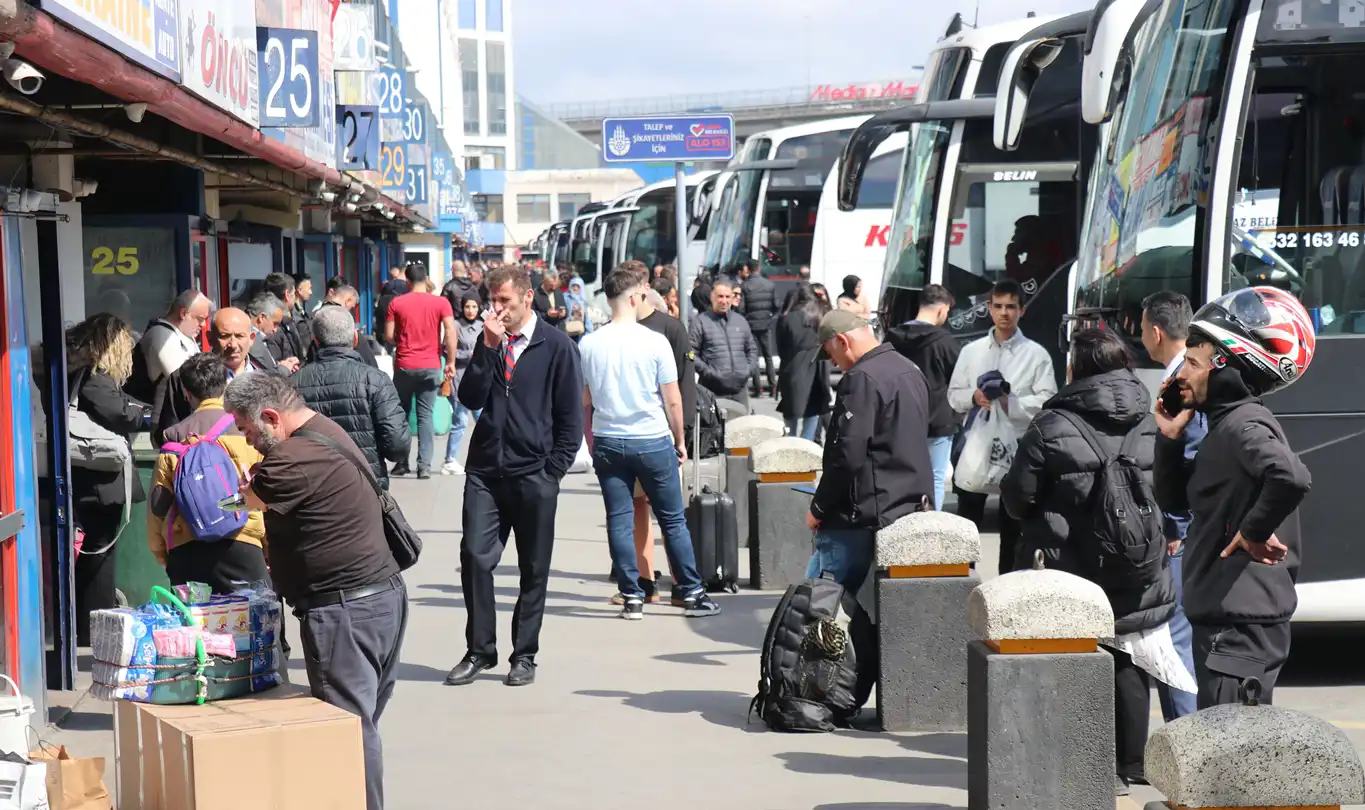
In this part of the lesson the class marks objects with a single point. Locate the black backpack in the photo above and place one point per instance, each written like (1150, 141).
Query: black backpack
(711, 440)
(808, 670)
(1126, 521)
(140, 385)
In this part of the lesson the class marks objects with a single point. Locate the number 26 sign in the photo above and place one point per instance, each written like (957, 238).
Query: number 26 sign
(288, 69)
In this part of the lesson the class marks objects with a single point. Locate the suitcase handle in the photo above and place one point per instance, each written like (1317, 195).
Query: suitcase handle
(696, 453)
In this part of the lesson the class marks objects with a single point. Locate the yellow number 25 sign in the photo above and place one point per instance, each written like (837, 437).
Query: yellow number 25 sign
(105, 261)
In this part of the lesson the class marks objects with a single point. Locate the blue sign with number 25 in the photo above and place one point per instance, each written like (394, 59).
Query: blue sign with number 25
(287, 63)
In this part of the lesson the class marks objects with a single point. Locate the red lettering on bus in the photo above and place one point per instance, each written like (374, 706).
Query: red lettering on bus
(959, 234)
(876, 236)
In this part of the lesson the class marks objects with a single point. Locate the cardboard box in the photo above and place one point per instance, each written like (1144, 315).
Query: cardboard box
(279, 750)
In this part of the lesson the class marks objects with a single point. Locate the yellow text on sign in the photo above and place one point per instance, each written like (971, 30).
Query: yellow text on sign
(130, 17)
(107, 262)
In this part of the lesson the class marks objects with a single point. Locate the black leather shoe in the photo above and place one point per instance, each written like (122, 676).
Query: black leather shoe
(523, 673)
(467, 670)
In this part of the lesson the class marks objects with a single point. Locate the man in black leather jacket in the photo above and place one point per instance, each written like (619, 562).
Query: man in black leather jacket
(759, 297)
(360, 398)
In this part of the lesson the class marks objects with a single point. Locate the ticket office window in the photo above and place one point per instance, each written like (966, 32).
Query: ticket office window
(129, 272)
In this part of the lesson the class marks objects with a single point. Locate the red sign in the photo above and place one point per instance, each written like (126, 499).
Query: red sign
(863, 92)
(876, 236)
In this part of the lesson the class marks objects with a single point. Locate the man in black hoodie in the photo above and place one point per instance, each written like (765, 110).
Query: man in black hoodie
(759, 302)
(1242, 551)
(926, 343)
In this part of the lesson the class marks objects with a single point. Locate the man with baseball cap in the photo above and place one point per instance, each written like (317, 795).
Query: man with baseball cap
(876, 464)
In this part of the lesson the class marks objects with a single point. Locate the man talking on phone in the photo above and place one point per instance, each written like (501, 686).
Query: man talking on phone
(1242, 550)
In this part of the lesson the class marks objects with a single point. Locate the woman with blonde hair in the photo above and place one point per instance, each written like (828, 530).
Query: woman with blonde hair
(99, 362)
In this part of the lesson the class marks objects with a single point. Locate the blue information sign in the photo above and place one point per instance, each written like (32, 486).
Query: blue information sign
(668, 138)
(290, 93)
(357, 138)
(416, 185)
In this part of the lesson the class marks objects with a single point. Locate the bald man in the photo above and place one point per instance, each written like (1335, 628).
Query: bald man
(232, 338)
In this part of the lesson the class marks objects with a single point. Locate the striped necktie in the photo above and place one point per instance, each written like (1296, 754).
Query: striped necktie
(510, 358)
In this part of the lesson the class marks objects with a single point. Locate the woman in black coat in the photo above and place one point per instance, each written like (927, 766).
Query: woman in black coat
(1049, 490)
(803, 378)
(99, 362)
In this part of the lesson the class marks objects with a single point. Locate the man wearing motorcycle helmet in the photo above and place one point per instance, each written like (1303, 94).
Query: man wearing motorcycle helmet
(1242, 551)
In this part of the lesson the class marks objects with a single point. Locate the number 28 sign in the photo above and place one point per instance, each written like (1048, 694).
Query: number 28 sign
(288, 69)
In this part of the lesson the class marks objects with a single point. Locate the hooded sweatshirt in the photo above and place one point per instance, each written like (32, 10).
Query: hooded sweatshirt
(1049, 487)
(935, 351)
(1245, 478)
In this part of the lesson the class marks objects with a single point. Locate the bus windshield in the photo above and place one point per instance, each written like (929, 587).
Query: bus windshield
(732, 235)
(651, 237)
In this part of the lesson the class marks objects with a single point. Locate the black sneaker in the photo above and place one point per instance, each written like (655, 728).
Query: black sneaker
(633, 608)
(400, 469)
(423, 473)
(700, 604)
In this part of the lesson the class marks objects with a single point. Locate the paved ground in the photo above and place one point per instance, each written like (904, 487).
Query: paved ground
(642, 714)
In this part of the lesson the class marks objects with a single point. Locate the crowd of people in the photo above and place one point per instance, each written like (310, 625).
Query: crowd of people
(1095, 477)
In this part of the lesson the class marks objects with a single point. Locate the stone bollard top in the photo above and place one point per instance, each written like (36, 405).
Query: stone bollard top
(1039, 604)
(786, 454)
(1254, 756)
(928, 538)
(751, 431)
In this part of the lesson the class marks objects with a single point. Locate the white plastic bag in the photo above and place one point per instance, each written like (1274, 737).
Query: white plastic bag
(1154, 652)
(988, 452)
(582, 460)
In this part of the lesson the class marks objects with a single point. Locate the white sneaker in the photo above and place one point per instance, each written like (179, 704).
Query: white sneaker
(452, 468)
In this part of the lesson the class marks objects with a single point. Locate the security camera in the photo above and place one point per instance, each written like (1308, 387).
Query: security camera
(350, 207)
(23, 77)
(328, 196)
(135, 111)
(389, 214)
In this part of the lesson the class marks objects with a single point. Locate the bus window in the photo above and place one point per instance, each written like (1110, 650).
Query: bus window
(879, 181)
(794, 197)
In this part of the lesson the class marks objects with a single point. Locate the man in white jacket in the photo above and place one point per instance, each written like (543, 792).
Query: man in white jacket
(1027, 368)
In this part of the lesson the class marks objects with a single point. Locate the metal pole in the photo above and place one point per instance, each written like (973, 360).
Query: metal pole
(685, 270)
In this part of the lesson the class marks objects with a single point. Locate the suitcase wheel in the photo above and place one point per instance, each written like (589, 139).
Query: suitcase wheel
(732, 587)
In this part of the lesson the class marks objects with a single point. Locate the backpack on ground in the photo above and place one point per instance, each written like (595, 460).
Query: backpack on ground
(205, 475)
(709, 438)
(1125, 519)
(809, 672)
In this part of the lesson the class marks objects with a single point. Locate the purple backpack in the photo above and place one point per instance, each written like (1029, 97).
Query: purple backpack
(206, 475)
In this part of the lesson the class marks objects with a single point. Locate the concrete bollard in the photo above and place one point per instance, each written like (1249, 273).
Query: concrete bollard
(741, 436)
(924, 582)
(1253, 756)
(1040, 694)
(779, 540)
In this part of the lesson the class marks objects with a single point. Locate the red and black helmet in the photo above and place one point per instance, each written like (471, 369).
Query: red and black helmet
(1264, 331)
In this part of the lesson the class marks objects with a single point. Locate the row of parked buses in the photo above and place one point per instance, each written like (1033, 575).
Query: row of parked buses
(1154, 145)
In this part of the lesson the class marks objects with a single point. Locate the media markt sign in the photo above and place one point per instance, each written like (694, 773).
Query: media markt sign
(864, 92)
(668, 138)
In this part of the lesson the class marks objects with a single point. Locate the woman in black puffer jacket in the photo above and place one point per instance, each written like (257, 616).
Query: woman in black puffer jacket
(1049, 491)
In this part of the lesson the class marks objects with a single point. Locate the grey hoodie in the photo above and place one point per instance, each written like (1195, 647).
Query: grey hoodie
(469, 335)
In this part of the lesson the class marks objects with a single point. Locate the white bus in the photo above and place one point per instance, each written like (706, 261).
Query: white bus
(1233, 157)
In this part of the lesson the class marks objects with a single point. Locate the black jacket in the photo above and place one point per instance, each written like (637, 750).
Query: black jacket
(723, 351)
(98, 396)
(1048, 489)
(803, 377)
(759, 296)
(1245, 478)
(458, 289)
(542, 304)
(535, 421)
(935, 351)
(363, 400)
(303, 322)
(876, 463)
(672, 329)
(287, 341)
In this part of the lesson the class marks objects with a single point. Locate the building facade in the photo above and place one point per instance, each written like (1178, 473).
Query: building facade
(480, 83)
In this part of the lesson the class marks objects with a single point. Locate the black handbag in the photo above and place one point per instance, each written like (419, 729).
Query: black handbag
(404, 542)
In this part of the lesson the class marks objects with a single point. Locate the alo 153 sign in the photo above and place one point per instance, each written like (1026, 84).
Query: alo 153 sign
(289, 87)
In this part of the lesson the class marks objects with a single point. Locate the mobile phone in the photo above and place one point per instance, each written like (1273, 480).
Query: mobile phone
(234, 503)
(1171, 400)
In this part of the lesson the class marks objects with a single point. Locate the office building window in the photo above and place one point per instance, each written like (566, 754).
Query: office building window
(494, 18)
(488, 207)
(468, 22)
(497, 89)
(533, 207)
(469, 77)
(473, 155)
(570, 203)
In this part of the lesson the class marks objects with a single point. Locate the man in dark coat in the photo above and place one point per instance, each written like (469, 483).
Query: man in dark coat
(722, 346)
(287, 340)
(361, 399)
(759, 302)
(926, 343)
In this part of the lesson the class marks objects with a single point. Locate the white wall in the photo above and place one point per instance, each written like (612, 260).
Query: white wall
(419, 29)
(600, 184)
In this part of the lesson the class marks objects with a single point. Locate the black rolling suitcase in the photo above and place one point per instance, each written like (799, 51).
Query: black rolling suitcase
(715, 533)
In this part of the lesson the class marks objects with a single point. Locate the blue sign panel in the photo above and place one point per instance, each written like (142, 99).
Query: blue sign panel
(390, 92)
(451, 196)
(415, 124)
(358, 138)
(393, 166)
(290, 92)
(416, 186)
(668, 138)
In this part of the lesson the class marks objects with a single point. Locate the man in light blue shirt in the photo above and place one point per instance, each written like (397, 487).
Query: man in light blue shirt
(631, 387)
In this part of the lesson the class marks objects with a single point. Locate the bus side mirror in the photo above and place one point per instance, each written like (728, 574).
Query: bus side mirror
(1018, 75)
(1107, 40)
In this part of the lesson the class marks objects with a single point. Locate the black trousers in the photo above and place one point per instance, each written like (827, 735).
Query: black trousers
(351, 653)
(95, 573)
(523, 505)
(1226, 656)
(972, 506)
(220, 564)
(764, 342)
(1132, 696)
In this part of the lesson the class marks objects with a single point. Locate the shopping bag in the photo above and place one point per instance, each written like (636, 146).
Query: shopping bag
(23, 784)
(987, 453)
(74, 783)
(582, 460)
(441, 414)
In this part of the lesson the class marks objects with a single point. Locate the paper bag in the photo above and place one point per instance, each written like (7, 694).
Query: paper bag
(74, 783)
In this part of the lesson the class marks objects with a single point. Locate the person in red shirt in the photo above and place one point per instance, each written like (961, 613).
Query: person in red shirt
(414, 325)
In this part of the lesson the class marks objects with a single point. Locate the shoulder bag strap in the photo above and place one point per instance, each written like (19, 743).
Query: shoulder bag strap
(1087, 433)
(1129, 447)
(219, 428)
(364, 469)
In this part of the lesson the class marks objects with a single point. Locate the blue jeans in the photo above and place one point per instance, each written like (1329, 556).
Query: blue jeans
(1174, 703)
(809, 426)
(845, 554)
(940, 456)
(422, 384)
(457, 426)
(619, 463)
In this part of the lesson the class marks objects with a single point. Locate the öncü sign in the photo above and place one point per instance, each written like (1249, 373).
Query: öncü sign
(668, 138)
